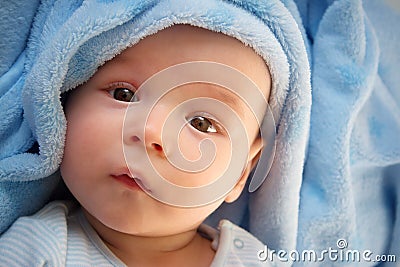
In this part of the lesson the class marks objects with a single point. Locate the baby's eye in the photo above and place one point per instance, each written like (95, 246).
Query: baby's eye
(202, 124)
(123, 94)
(122, 91)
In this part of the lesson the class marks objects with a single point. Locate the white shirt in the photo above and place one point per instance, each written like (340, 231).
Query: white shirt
(53, 237)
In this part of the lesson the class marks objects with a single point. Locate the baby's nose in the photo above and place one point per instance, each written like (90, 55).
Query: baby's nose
(151, 142)
(157, 147)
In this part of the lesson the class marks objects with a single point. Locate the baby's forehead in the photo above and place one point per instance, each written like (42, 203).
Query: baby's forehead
(183, 43)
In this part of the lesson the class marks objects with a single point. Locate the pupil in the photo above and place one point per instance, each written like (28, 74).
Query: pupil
(123, 94)
(201, 124)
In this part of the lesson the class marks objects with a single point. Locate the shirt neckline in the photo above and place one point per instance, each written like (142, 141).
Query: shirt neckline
(219, 240)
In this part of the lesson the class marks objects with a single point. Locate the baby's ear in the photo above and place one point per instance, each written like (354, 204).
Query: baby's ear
(254, 155)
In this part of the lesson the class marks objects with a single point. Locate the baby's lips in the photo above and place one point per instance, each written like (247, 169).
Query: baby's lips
(139, 179)
(140, 183)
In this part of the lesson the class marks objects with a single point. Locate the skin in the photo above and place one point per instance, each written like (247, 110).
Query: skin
(138, 229)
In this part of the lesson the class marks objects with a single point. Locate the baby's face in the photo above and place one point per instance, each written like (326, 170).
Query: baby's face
(105, 148)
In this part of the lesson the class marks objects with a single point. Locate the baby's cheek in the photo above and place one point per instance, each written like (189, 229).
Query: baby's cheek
(189, 145)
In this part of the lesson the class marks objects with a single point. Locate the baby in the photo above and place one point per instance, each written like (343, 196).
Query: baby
(119, 221)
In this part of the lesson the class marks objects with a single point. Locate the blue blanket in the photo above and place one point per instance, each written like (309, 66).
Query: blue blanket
(335, 175)
(351, 183)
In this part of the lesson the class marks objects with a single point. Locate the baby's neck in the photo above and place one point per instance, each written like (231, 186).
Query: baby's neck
(183, 249)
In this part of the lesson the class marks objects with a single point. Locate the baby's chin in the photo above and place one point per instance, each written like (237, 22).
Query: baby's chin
(150, 230)
(143, 222)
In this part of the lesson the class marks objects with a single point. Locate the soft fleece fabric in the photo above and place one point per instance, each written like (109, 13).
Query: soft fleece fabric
(335, 174)
(351, 182)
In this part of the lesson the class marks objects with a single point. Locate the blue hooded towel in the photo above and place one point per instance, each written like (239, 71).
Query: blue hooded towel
(335, 175)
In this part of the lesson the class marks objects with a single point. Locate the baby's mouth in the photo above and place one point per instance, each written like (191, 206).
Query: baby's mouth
(131, 181)
(140, 183)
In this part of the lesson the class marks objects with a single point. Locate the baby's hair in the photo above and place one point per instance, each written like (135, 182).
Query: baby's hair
(64, 98)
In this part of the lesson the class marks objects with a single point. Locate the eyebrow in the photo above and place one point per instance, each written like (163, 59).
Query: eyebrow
(235, 100)
(230, 99)
(227, 96)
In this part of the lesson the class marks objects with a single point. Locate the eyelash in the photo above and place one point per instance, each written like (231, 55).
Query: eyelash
(216, 127)
(121, 85)
(215, 124)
